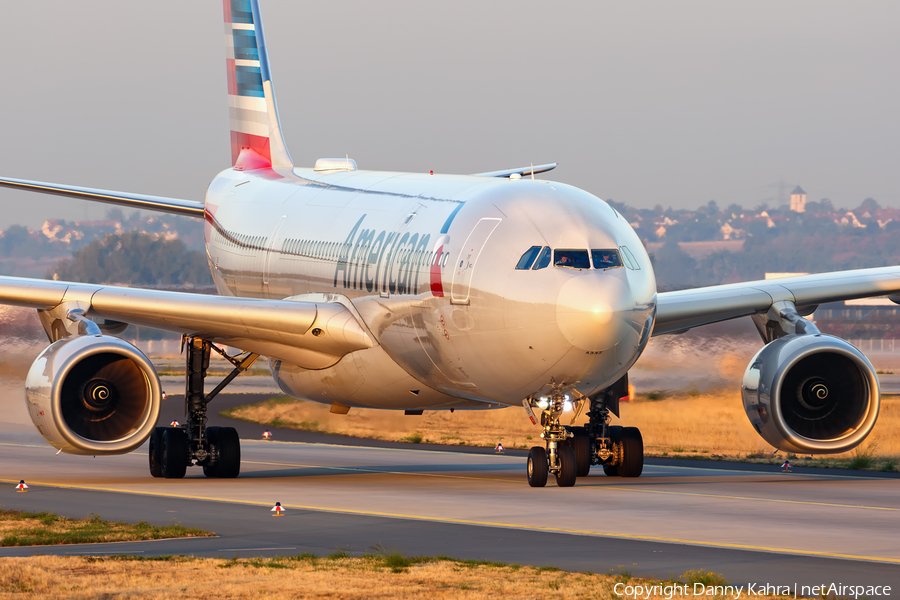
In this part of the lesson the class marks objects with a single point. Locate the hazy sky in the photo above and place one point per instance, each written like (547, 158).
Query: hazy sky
(671, 103)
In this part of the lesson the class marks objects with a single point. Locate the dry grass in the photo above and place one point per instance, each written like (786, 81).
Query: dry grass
(714, 425)
(471, 428)
(296, 577)
(690, 425)
(29, 529)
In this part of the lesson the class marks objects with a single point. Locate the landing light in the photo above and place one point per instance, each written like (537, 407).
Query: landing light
(543, 403)
(567, 405)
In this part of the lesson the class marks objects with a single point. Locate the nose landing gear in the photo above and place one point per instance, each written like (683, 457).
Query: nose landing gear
(569, 452)
(559, 457)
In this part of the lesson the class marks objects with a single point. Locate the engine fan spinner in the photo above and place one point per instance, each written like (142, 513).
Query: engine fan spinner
(813, 394)
(93, 395)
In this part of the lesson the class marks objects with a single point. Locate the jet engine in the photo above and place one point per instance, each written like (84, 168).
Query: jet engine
(93, 394)
(813, 394)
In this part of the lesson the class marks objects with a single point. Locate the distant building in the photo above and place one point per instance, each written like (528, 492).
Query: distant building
(798, 200)
(879, 301)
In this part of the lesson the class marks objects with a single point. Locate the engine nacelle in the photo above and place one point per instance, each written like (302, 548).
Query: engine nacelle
(93, 395)
(811, 394)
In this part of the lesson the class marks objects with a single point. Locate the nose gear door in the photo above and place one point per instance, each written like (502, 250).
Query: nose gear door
(464, 267)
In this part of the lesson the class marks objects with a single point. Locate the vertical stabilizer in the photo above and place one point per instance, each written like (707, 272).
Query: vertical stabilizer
(253, 113)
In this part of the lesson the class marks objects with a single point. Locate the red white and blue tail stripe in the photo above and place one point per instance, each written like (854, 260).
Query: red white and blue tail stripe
(256, 139)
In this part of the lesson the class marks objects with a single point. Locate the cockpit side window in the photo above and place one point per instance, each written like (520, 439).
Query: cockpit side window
(630, 261)
(543, 259)
(571, 259)
(606, 259)
(528, 258)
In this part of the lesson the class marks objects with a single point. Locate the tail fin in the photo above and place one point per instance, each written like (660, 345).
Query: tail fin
(255, 128)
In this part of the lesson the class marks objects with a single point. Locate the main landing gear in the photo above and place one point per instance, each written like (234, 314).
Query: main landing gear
(569, 452)
(216, 449)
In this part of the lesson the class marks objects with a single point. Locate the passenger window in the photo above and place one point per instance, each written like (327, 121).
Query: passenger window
(571, 259)
(543, 259)
(606, 259)
(528, 258)
(630, 261)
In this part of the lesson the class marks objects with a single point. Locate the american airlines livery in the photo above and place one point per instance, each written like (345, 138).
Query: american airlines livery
(418, 291)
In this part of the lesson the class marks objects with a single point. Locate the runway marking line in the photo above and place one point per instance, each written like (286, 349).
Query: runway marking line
(98, 552)
(593, 487)
(364, 470)
(583, 532)
(260, 444)
(239, 549)
(728, 497)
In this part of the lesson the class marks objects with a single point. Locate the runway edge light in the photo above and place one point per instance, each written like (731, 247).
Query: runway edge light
(267, 435)
(499, 448)
(786, 467)
(278, 509)
(22, 487)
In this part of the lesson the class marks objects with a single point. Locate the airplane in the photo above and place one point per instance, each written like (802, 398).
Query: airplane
(414, 292)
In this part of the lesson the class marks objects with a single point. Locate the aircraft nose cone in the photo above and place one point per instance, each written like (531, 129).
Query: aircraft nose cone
(586, 311)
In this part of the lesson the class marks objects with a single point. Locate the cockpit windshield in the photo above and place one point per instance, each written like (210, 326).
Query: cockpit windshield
(571, 259)
(543, 260)
(528, 258)
(606, 259)
(540, 257)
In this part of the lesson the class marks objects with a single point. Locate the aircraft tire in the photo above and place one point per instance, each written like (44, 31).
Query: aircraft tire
(212, 438)
(615, 434)
(173, 459)
(227, 442)
(632, 452)
(538, 467)
(229, 453)
(568, 467)
(582, 445)
(155, 451)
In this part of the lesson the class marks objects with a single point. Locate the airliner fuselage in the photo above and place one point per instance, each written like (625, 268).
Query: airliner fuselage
(417, 291)
(429, 262)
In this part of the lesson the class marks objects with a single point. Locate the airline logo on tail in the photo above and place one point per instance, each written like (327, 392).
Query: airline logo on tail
(256, 140)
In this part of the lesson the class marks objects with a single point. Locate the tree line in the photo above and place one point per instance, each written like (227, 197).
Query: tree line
(135, 258)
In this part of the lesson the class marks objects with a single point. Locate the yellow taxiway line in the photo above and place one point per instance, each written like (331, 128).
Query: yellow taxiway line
(500, 525)
(592, 487)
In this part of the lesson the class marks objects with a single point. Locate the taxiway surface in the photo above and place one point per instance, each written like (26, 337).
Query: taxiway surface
(748, 525)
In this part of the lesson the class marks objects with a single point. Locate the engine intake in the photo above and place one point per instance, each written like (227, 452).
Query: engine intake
(93, 395)
(812, 394)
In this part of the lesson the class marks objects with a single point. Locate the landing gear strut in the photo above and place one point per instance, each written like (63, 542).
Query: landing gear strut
(569, 452)
(216, 449)
(559, 456)
(619, 449)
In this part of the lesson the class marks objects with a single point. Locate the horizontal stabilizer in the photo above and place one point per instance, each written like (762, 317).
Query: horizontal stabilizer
(521, 171)
(189, 208)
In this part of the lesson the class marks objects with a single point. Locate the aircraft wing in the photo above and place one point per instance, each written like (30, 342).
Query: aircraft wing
(313, 335)
(521, 171)
(681, 310)
(189, 208)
